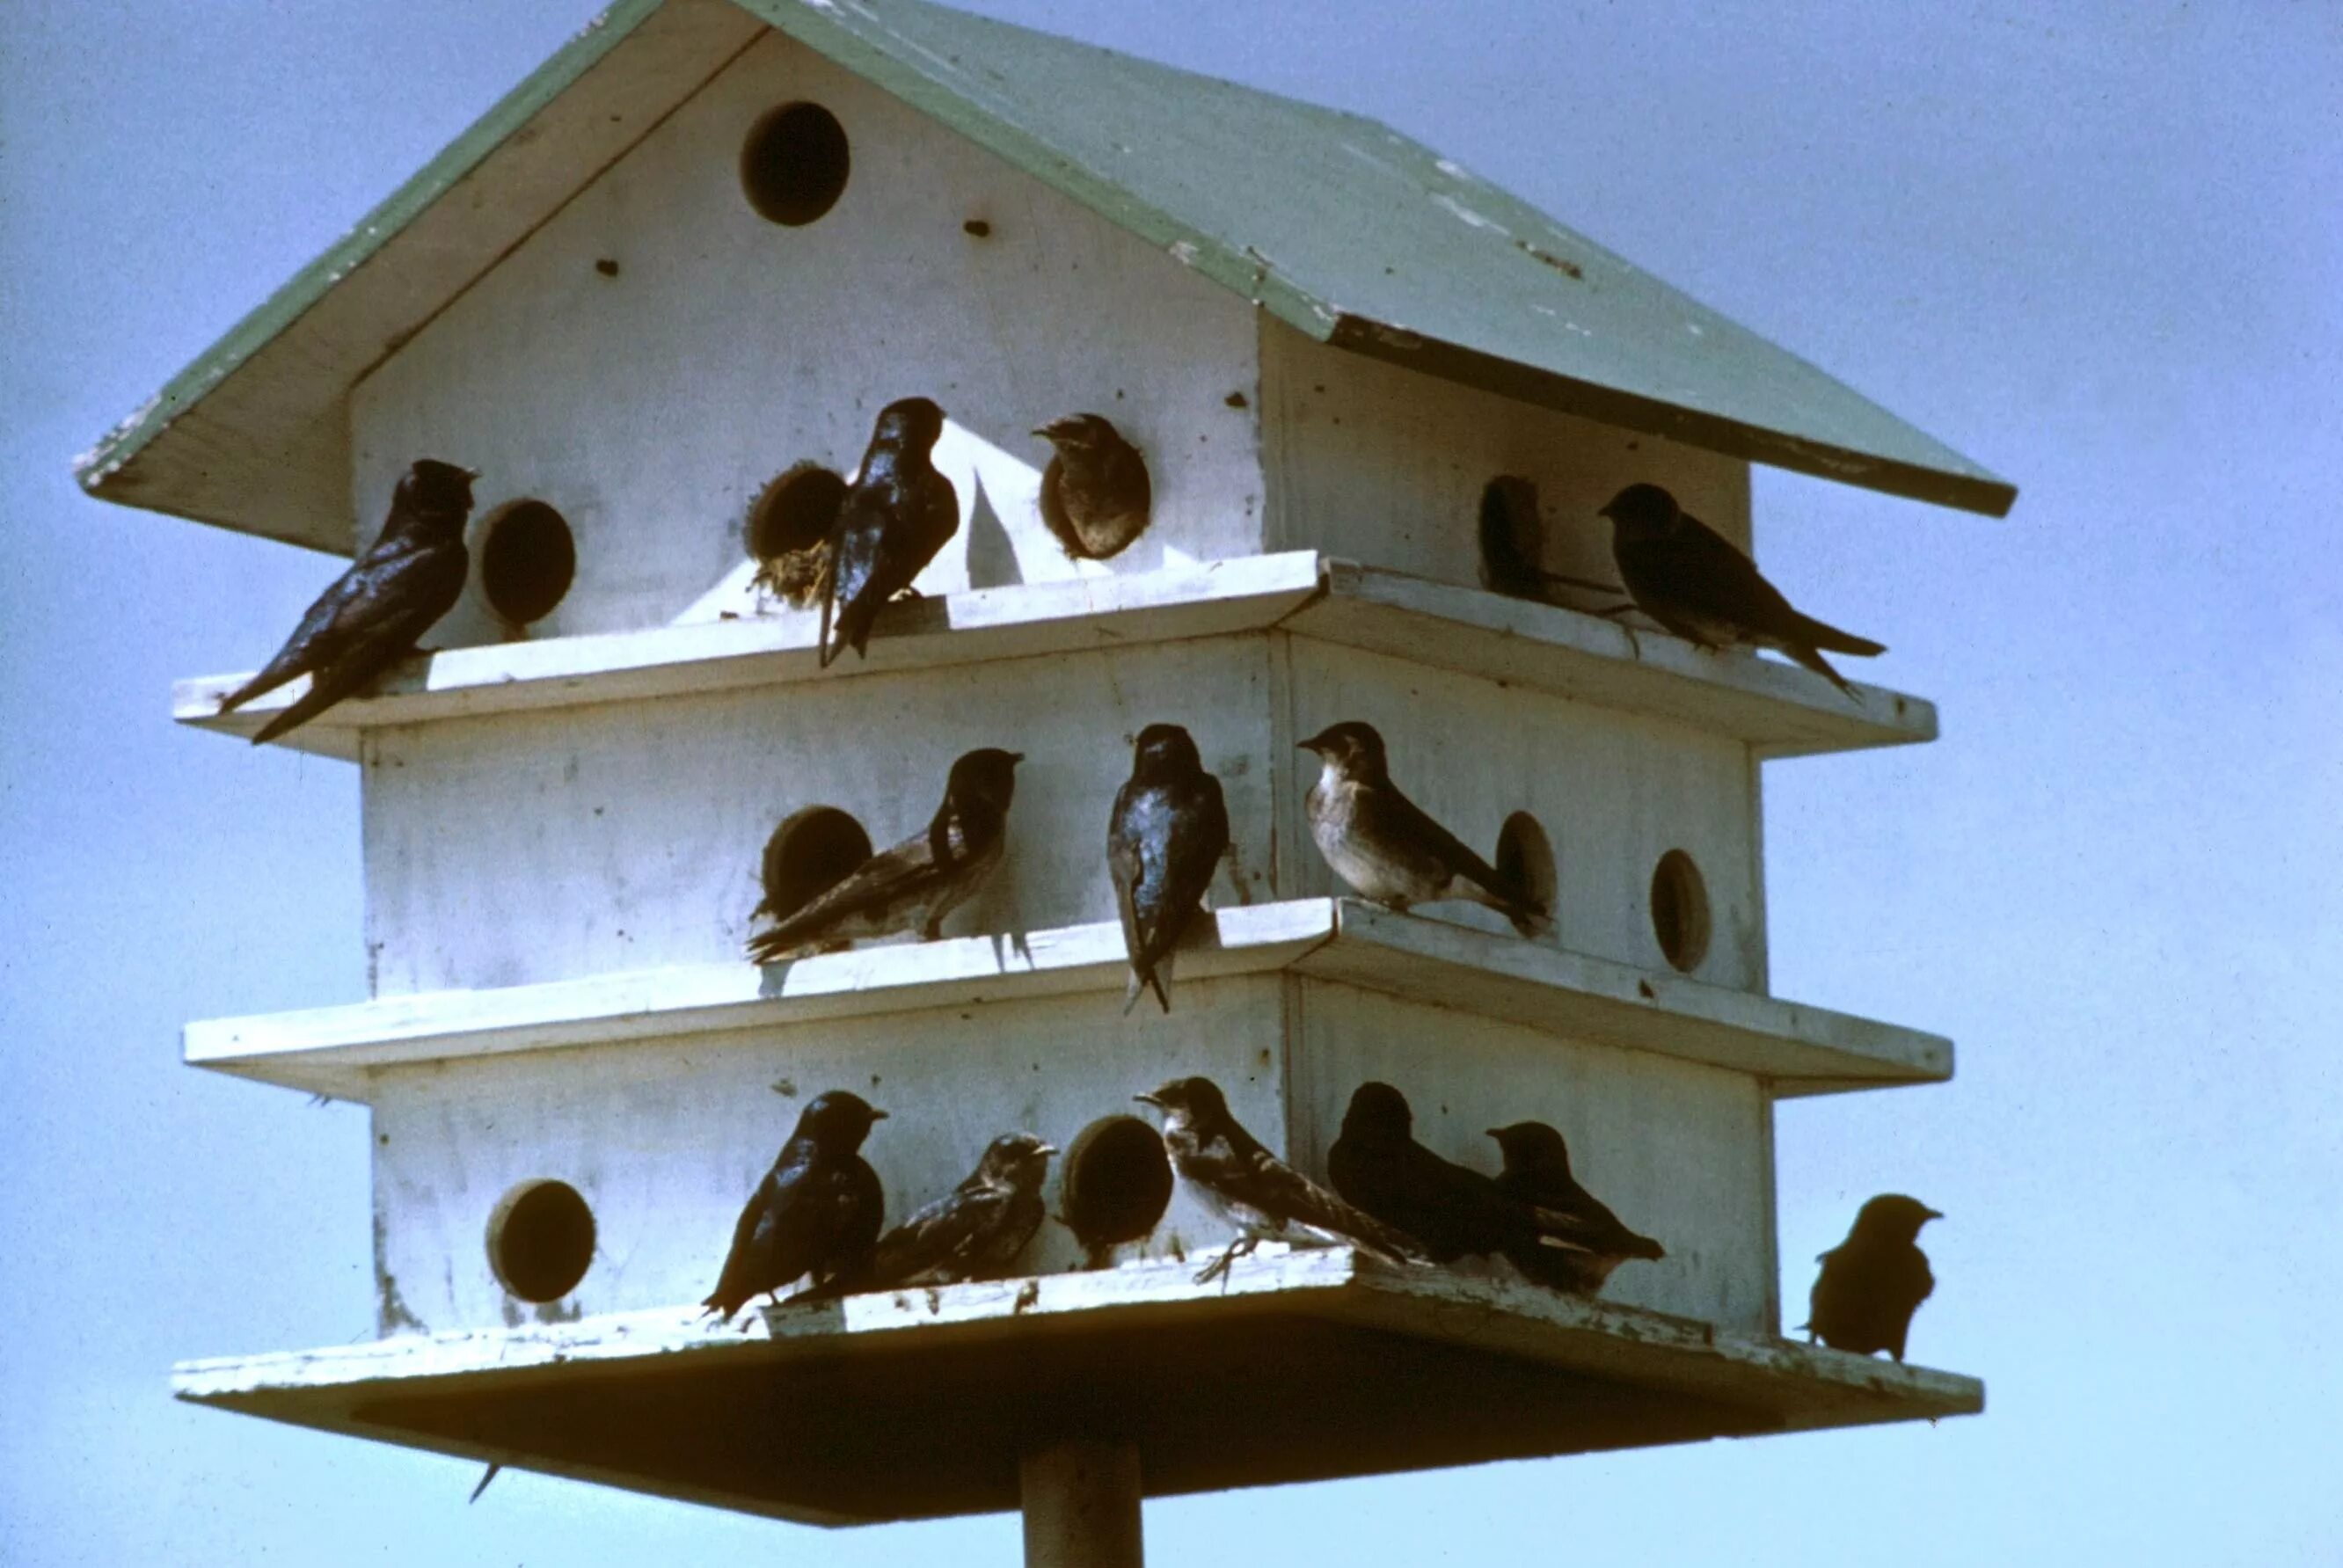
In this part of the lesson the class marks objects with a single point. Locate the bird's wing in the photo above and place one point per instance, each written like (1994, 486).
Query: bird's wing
(926, 515)
(1262, 1181)
(1708, 574)
(1197, 853)
(1126, 863)
(944, 1242)
(895, 876)
(355, 663)
(381, 595)
(1411, 823)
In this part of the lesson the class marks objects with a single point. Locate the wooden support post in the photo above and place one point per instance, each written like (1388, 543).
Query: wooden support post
(1082, 1505)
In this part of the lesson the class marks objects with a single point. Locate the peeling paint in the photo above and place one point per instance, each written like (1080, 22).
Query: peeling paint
(1184, 252)
(1477, 219)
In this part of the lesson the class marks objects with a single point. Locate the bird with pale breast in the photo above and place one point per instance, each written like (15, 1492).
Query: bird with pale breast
(1096, 496)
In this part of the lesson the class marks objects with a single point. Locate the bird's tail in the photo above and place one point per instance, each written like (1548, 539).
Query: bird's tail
(1528, 915)
(494, 1465)
(721, 1306)
(326, 686)
(1819, 665)
(1823, 634)
(1157, 978)
(279, 670)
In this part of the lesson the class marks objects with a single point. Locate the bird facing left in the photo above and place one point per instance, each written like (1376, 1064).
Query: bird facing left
(374, 613)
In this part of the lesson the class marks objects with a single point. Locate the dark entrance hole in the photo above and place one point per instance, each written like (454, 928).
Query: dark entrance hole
(528, 561)
(1680, 911)
(1117, 1183)
(794, 163)
(541, 1240)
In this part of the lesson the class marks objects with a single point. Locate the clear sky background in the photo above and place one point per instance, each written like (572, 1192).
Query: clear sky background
(2102, 254)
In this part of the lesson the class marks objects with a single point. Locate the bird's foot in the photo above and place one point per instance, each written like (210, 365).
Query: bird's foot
(905, 596)
(1218, 1267)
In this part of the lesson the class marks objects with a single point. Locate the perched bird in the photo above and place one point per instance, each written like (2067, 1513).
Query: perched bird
(1381, 843)
(1584, 1240)
(1698, 584)
(1164, 839)
(1095, 492)
(816, 1211)
(898, 515)
(1448, 1210)
(1513, 541)
(372, 615)
(1253, 1189)
(919, 881)
(975, 1230)
(1872, 1283)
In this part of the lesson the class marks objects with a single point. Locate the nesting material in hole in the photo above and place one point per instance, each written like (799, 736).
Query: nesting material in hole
(1525, 858)
(528, 561)
(1680, 911)
(541, 1240)
(787, 530)
(812, 852)
(1117, 1184)
(794, 163)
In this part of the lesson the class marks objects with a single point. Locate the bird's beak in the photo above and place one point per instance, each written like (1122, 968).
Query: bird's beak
(1047, 432)
(1492, 1133)
(1149, 1100)
(877, 1114)
(1932, 1213)
(1606, 512)
(1309, 746)
(1046, 1150)
(471, 473)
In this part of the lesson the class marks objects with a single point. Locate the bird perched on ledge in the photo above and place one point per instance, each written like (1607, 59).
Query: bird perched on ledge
(1698, 584)
(1447, 1210)
(816, 1211)
(1583, 1240)
(1095, 493)
(975, 1230)
(898, 515)
(373, 613)
(1872, 1283)
(921, 879)
(1165, 838)
(1385, 846)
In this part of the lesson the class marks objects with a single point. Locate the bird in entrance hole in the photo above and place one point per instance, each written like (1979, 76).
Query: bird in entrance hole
(1095, 493)
(1582, 1241)
(896, 515)
(1165, 838)
(1698, 584)
(372, 615)
(1385, 846)
(914, 885)
(1872, 1283)
(1252, 1188)
(816, 1211)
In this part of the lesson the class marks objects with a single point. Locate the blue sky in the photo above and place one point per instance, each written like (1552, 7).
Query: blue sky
(2100, 254)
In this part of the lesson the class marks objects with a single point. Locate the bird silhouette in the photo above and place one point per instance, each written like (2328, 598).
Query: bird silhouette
(1872, 1283)
(1449, 1211)
(816, 1211)
(373, 613)
(1165, 838)
(1583, 1240)
(899, 513)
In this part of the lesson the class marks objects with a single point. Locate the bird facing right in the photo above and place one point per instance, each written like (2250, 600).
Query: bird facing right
(975, 1230)
(898, 515)
(1448, 1210)
(1586, 1239)
(1386, 846)
(1872, 1283)
(373, 614)
(1164, 839)
(1095, 493)
(1698, 584)
(816, 1211)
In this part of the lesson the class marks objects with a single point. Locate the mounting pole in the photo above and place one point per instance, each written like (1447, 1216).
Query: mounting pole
(1081, 1504)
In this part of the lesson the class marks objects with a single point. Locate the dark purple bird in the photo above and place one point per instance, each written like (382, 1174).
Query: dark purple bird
(816, 1211)
(1583, 1240)
(1872, 1283)
(898, 515)
(1449, 1211)
(976, 1230)
(1165, 838)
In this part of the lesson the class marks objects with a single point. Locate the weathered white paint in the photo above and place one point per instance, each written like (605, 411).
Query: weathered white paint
(650, 406)
(1777, 710)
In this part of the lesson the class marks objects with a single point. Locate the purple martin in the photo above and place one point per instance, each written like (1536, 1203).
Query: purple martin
(898, 515)
(1385, 846)
(1698, 584)
(1449, 1211)
(1164, 839)
(919, 881)
(816, 1211)
(1512, 541)
(1872, 1283)
(372, 615)
(1251, 1188)
(1583, 1240)
(975, 1230)
(1095, 493)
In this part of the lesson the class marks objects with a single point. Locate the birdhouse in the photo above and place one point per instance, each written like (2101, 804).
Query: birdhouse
(655, 299)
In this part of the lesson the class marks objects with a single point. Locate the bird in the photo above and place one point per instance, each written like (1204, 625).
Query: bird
(1095, 493)
(373, 613)
(811, 852)
(1164, 839)
(975, 1230)
(1385, 846)
(1253, 1189)
(1513, 541)
(816, 1211)
(915, 884)
(1447, 1210)
(1872, 1283)
(1584, 1240)
(896, 515)
(1698, 584)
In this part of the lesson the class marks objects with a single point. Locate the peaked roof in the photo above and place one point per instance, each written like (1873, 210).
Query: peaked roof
(1336, 225)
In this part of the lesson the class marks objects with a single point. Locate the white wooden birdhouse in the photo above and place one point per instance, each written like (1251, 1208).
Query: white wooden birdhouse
(694, 254)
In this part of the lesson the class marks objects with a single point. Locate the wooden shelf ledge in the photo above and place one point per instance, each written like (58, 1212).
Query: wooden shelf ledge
(1801, 1049)
(1309, 1365)
(1777, 708)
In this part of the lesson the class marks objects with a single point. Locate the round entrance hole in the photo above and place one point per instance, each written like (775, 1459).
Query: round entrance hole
(1680, 911)
(541, 1240)
(809, 853)
(794, 163)
(787, 530)
(1117, 1184)
(1525, 858)
(528, 561)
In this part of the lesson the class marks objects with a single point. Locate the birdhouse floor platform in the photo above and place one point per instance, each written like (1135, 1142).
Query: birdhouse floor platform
(1778, 709)
(1801, 1049)
(1308, 1366)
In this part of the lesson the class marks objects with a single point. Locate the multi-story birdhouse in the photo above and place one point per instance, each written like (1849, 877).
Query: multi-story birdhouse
(655, 299)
